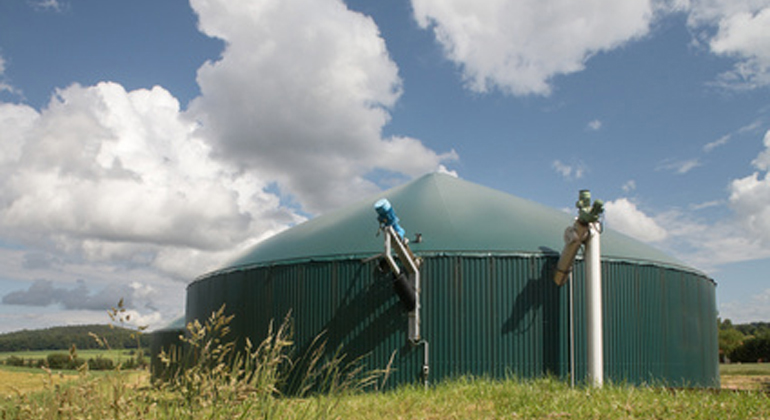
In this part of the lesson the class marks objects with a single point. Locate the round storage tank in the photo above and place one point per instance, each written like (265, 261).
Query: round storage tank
(489, 303)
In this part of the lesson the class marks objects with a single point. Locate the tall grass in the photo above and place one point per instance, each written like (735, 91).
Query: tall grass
(213, 380)
(268, 381)
(549, 398)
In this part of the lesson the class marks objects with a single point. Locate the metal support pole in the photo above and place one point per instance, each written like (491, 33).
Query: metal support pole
(411, 266)
(414, 316)
(595, 331)
(571, 332)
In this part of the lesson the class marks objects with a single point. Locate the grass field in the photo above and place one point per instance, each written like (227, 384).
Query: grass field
(84, 354)
(747, 376)
(220, 384)
(129, 397)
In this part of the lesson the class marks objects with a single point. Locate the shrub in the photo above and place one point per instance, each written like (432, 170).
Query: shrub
(755, 349)
(101, 363)
(57, 360)
(14, 361)
(63, 361)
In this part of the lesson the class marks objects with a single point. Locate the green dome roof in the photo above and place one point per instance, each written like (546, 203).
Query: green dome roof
(454, 217)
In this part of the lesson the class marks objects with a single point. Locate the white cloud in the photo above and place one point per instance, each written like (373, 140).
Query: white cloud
(518, 47)
(300, 96)
(5, 86)
(762, 162)
(623, 216)
(629, 186)
(756, 309)
(569, 171)
(745, 35)
(679, 167)
(716, 143)
(594, 125)
(707, 205)
(48, 5)
(743, 237)
(750, 198)
(109, 175)
(111, 186)
(443, 170)
(741, 32)
(708, 244)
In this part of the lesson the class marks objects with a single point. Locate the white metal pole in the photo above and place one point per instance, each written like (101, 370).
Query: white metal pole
(414, 316)
(594, 328)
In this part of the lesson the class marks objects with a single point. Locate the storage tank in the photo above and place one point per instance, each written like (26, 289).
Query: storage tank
(489, 305)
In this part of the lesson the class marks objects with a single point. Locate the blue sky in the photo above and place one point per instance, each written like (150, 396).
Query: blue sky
(144, 143)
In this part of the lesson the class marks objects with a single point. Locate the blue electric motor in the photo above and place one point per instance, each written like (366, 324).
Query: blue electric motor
(387, 216)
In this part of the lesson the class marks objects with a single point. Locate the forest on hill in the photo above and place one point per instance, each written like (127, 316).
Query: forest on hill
(62, 338)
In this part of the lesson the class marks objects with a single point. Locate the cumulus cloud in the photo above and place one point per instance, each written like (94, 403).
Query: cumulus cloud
(624, 216)
(300, 95)
(762, 162)
(111, 175)
(105, 184)
(750, 197)
(518, 47)
(740, 32)
(5, 85)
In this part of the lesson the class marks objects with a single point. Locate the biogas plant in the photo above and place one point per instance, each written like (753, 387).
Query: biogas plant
(441, 277)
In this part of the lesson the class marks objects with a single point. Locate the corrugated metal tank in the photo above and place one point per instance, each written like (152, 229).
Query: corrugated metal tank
(489, 304)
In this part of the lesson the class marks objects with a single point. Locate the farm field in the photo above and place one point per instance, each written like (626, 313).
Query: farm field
(15, 381)
(747, 376)
(115, 355)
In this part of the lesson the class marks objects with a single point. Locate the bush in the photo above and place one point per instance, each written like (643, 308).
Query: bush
(14, 361)
(57, 360)
(137, 362)
(753, 350)
(101, 363)
(63, 361)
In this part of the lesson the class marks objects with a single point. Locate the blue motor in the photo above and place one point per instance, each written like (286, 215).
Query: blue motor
(387, 217)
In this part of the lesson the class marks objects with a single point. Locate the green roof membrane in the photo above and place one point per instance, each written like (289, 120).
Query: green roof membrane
(454, 217)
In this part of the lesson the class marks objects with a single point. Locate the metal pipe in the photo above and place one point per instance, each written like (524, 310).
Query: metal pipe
(425, 363)
(594, 327)
(571, 332)
(574, 236)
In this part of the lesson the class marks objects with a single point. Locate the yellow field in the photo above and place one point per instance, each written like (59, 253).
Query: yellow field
(748, 376)
(20, 382)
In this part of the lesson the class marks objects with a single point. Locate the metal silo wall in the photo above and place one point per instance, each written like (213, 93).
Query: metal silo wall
(659, 326)
(494, 316)
(482, 315)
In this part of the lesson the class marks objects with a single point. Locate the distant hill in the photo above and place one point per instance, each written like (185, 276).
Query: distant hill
(62, 338)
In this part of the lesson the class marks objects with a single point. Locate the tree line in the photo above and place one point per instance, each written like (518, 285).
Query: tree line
(82, 336)
(744, 343)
